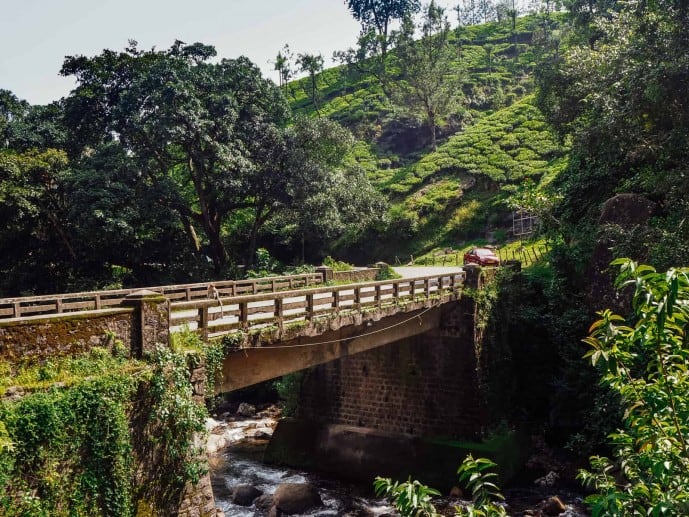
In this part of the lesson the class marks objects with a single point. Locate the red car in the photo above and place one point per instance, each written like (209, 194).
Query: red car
(482, 257)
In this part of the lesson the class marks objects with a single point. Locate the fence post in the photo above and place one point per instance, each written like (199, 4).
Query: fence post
(357, 298)
(279, 310)
(326, 273)
(203, 321)
(244, 315)
(150, 321)
(309, 306)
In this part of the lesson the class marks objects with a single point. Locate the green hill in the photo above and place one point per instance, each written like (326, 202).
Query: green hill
(496, 136)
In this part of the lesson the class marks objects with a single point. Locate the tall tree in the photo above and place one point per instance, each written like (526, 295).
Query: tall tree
(623, 102)
(184, 120)
(431, 81)
(34, 239)
(313, 65)
(376, 17)
(283, 66)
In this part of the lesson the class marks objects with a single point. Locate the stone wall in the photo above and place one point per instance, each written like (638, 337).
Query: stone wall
(141, 323)
(40, 337)
(367, 274)
(425, 385)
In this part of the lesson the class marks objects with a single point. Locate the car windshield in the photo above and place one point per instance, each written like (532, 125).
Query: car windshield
(485, 253)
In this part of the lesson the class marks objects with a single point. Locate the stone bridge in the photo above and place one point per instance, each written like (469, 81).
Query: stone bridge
(295, 321)
(390, 369)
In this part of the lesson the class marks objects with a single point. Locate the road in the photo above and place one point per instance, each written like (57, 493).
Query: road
(412, 271)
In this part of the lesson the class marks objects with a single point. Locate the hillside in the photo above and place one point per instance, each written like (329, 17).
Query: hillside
(495, 136)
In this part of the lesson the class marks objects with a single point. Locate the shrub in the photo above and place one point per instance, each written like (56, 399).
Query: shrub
(645, 362)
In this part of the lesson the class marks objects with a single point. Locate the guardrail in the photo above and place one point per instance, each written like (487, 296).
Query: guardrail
(95, 300)
(212, 318)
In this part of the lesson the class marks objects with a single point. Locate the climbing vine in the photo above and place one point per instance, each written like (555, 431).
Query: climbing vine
(75, 431)
(70, 451)
(175, 415)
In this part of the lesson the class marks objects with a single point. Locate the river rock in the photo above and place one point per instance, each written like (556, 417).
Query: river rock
(244, 495)
(246, 410)
(554, 506)
(264, 502)
(296, 498)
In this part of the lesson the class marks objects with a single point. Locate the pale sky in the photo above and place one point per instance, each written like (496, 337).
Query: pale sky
(36, 35)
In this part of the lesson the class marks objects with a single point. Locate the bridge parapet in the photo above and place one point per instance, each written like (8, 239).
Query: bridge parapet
(96, 300)
(214, 318)
(145, 319)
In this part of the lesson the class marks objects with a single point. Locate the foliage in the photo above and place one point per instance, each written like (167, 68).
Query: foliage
(66, 370)
(288, 387)
(645, 363)
(410, 498)
(175, 414)
(68, 446)
(475, 475)
(337, 265)
(71, 452)
(414, 499)
(621, 97)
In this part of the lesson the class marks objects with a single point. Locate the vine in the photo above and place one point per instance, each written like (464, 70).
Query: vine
(73, 443)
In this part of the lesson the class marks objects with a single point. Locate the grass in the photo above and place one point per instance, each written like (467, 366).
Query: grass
(65, 370)
(528, 252)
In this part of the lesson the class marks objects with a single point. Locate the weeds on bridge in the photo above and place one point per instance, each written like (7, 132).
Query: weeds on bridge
(71, 430)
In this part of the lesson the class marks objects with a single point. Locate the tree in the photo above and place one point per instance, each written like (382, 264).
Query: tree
(34, 239)
(283, 66)
(184, 121)
(326, 197)
(313, 65)
(431, 82)
(375, 17)
(624, 104)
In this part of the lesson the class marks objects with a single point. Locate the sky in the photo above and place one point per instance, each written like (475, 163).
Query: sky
(36, 35)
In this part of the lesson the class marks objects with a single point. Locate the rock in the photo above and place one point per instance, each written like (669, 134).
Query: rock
(554, 506)
(261, 435)
(13, 393)
(246, 410)
(220, 490)
(627, 210)
(548, 480)
(296, 498)
(456, 492)
(244, 495)
(264, 502)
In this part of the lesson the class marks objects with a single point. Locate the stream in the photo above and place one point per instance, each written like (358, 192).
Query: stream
(236, 448)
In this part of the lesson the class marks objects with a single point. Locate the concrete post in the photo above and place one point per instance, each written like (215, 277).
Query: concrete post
(472, 278)
(150, 322)
(327, 272)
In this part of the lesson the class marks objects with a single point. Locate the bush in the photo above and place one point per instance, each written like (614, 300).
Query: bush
(645, 362)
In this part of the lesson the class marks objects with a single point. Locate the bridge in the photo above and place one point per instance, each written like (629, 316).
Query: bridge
(282, 313)
(388, 367)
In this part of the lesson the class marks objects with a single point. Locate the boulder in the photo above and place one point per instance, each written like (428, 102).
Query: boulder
(264, 502)
(296, 498)
(246, 410)
(553, 506)
(244, 495)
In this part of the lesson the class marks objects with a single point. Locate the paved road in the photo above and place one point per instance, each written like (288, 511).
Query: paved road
(412, 271)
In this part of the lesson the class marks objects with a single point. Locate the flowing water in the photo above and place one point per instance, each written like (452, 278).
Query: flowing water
(241, 465)
(237, 450)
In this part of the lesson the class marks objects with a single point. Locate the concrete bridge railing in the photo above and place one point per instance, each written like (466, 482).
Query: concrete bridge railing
(96, 300)
(214, 318)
